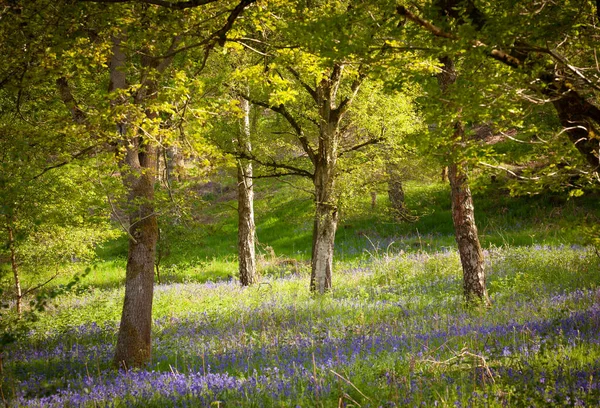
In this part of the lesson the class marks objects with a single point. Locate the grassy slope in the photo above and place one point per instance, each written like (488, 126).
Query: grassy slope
(284, 227)
(206, 251)
(390, 311)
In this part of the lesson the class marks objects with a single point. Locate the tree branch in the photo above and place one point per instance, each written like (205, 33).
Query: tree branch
(230, 20)
(264, 54)
(73, 157)
(310, 90)
(36, 287)
(375, 140)
(164, 64)
(274, 175)
(438, 32)
(69, 101)
(572, 68)
(497, 54)
(335, 79)
(343, 106)
(218, 37)
(281, 109)
(273, 164)
(512, 173)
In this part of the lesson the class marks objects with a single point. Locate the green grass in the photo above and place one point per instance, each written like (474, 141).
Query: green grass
(394, 328)
(394, 325)
(201, 252)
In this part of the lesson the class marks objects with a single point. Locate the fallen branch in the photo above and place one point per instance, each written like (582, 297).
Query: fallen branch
(459, 357)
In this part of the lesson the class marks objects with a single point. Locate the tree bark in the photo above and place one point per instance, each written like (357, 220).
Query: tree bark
(326, 211)
(138, 172)
(134, 338)
(15, 268)
(325, 225)
(444, 174)
(396, 192)
(465, 230)
(463, 209)
(246, 226)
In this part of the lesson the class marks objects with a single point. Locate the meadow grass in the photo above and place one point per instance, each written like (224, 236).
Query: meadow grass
(284, 220)
(393, 332)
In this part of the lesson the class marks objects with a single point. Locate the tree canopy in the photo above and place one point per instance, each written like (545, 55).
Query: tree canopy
(101, 100)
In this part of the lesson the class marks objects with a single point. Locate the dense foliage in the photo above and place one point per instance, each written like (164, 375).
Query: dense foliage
(130, 129)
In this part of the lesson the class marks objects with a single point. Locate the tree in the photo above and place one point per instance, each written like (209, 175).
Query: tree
(326, 130)
(329, 112)
(545, 47)
(245, 187)
(312, 82)
(140, 41)
(463, 216)
(468, 29)
(463, 209)
(48, 205)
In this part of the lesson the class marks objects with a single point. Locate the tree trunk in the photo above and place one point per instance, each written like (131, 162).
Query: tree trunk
(174, 163)
(444, 174)
(396, 192)
(373, 199)
(465, 229)
(325, 225)
(246, 227)
(578, 116)
(396, 196)
(15, 268)
(326, 211)
(134, 339)
(138, 172)
(463, 209)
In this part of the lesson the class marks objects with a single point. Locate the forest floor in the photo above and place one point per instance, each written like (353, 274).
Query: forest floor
(393, 332)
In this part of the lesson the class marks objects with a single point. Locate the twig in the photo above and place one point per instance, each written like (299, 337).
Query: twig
(512, 173)
(116, 214)
(275, 165)
(63, 163)
(249, 47)
(33, 289)
(571, 68)
(152, 214)
(350, 383)
(312, 193)
(348, 397)
(374, 140)
(459, 356)
(514, 139)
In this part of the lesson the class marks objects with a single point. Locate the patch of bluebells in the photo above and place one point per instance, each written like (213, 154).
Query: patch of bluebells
(287, 351)
(293, 363)
(166, 388)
